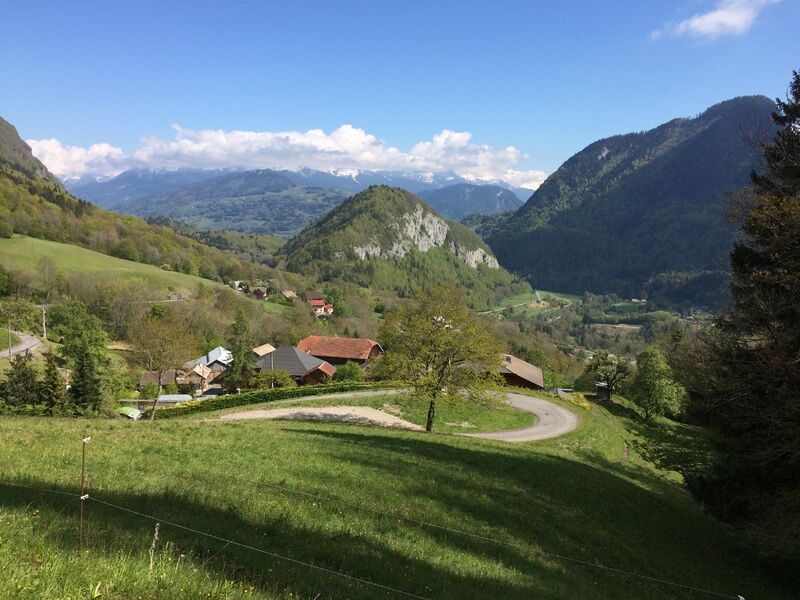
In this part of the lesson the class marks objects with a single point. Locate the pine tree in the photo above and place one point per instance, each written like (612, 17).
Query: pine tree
(53, 389)
(240, 372)
(753, 353)
(85, 391)
(22, 384)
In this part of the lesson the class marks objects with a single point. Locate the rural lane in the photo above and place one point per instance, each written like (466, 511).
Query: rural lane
(551, 420)
(27, 342)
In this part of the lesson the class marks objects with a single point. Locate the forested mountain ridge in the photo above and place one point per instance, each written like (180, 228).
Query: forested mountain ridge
(639, 213)
(388, 238)
(34, 203)
(463, 199)
(257, 201)
(127, 187)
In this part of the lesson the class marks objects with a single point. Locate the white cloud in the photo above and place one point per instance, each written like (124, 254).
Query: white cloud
(346, 147)
(729, 17)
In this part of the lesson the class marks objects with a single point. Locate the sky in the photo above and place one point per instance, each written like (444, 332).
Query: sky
(489, 90)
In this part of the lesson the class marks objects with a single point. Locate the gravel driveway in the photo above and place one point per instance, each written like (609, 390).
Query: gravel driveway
(552, 420)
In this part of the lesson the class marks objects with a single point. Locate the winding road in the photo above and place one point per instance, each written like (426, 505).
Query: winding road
(551, 420)
(27, 342)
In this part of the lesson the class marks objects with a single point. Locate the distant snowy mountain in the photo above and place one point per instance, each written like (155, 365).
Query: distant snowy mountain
(122, 191)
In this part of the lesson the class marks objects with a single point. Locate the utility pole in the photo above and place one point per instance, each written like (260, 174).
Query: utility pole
(83, 496)
(9, 339)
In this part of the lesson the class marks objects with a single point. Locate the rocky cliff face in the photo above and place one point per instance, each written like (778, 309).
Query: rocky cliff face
(422, 230)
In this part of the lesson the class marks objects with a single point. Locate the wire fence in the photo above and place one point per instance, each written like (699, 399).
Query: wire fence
(364, 508)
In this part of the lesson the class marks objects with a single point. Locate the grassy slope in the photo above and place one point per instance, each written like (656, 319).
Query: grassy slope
(24, 253)
(451, 417)
(578, 496)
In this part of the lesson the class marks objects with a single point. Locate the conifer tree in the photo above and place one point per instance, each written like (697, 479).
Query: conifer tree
(53, 388)
(85, 391)
(22, 384)
(753, 353)
(240, 372)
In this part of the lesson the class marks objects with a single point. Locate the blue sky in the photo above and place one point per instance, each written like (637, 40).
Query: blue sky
(245, 82)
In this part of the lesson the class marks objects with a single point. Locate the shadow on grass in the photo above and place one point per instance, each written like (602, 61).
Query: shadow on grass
(671, 447)
(537, 502)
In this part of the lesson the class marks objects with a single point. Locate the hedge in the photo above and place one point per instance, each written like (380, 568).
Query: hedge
(259, 396)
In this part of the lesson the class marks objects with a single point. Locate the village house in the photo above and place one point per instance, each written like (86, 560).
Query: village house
(289, 294)
(259, 293)
(339, 350)
(519, 373)
(217, 360)
(303, 368)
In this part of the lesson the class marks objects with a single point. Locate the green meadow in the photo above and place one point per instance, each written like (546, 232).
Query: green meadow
(24, 253)
(280, 509)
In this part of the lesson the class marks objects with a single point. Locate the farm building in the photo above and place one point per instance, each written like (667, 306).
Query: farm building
(519, 373)
(304, 368)
(339, 350)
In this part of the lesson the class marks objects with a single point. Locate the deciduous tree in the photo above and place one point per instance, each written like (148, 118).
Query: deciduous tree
(609, 369)
(160, 345)
(653, 388)
(441, 348)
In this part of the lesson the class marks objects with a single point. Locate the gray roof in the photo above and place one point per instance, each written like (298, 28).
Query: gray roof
(291, 360)
(218, 354)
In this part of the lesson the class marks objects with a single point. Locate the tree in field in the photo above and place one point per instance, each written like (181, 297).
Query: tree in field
(241, 342)
(753, 351)
(611, 370)
(53, 388)
(161, 344)
(85, 391)
(440, 348)
(22, 384)
(653, 388)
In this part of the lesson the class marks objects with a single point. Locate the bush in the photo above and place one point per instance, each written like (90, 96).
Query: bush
(349, 371)
(259, 396)
(149, 391)
(274, 379)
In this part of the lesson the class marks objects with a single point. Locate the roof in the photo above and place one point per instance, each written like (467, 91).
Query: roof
(520, 368)
(294, 361)
(337, 347)
(149, 377)
(176, 398)
(289, 294)
(315, 295)
(218, 354)
(264, 349)
(320, 303)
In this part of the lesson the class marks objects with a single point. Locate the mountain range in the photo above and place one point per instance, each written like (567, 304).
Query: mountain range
(640, 213)
(273, 202)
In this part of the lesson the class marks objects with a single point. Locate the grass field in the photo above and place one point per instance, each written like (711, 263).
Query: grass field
(24, 253)
(451, 417)
(437, 516)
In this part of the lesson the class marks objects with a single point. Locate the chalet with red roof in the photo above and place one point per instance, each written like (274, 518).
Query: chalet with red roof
(339, 350)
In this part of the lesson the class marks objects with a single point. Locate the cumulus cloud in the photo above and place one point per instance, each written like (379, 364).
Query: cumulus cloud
(344, 148)
(728, 17)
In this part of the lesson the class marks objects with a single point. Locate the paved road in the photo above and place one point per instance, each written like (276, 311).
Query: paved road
(27, 342)
(551, 419)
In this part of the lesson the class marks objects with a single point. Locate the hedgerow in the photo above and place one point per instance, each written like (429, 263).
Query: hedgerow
(256, 397)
